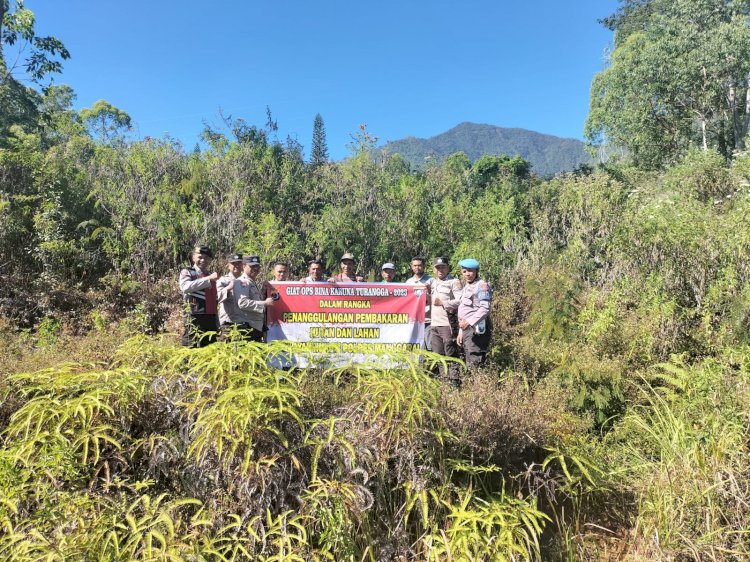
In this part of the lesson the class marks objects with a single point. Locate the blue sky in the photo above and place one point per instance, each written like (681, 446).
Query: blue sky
(403, 68)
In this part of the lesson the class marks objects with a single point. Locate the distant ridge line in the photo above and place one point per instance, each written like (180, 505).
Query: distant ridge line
(548, 154)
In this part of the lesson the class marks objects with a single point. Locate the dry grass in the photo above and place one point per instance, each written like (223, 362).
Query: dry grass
(507, 421)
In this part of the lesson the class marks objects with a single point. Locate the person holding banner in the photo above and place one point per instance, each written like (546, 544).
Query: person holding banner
(444, 289)
(315, 272)
(348, 272)
(250, 299)
(473, 314)
(280, 271)
(420, 277)
(231, 288)
(388, 273)
(198, 288)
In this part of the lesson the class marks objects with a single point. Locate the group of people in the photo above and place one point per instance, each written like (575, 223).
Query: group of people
(456, 317)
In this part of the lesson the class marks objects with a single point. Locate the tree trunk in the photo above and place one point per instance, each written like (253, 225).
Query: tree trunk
(740, 121)
(2, 59)
(2, 17)
(745, 120)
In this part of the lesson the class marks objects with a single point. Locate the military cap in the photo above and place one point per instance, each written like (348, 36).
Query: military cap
(469, 263)
(440, 261)
(251, 260)
(231, 258)
(204, 250)
(388, 265)
(348, 256)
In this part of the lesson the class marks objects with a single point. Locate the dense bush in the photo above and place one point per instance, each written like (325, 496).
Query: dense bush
(610, 421)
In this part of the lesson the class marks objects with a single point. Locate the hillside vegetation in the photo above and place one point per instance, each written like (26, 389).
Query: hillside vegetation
(611, 422)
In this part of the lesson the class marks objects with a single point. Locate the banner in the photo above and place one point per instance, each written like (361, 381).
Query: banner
(361, 318)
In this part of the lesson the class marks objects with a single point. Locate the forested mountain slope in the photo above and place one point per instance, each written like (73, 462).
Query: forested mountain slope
(548, 154)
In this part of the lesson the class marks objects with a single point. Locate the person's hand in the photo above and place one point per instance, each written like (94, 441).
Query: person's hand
(460, 338)
(437, 301)
(463, 324)
(269, 301)
(214, 276)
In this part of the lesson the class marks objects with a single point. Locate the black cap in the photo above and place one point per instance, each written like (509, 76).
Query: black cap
(251, 260)
(231, 258)
(440, 261)
(204, 250)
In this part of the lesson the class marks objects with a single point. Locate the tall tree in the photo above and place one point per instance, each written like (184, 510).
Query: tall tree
(106, 122)
(17, 29)
(319, 151)
(679, 75)
(20, 103)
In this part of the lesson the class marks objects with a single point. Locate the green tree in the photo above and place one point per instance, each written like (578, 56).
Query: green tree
(17, 29)
(679, 76)
(319, 152)
(106, 122)
(20, 103)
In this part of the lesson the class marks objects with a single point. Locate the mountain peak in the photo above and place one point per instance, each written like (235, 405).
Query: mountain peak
(548, 154)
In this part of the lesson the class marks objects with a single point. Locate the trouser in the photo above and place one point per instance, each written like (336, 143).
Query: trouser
(428, 336)
(196, 327)
(476, 346)
(444, 343)
(246, 331)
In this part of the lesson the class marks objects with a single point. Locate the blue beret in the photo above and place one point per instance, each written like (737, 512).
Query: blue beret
(469, 263)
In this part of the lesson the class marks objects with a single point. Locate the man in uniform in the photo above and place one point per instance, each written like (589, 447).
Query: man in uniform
(250, 299)
(473, 303)
(420, 277)
(444, 288)
(388, 273)
(230, 288)
(198, 288)
(315, 272)
(348, 272)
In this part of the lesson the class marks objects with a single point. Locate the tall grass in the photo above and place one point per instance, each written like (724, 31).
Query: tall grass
(213, 454)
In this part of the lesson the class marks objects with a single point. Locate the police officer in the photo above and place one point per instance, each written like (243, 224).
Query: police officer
(230, 288)
(250, 298)
(444, 288)
(198, 288)
(474, 327)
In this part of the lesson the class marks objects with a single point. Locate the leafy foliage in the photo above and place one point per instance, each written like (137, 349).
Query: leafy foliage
(610, 422)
